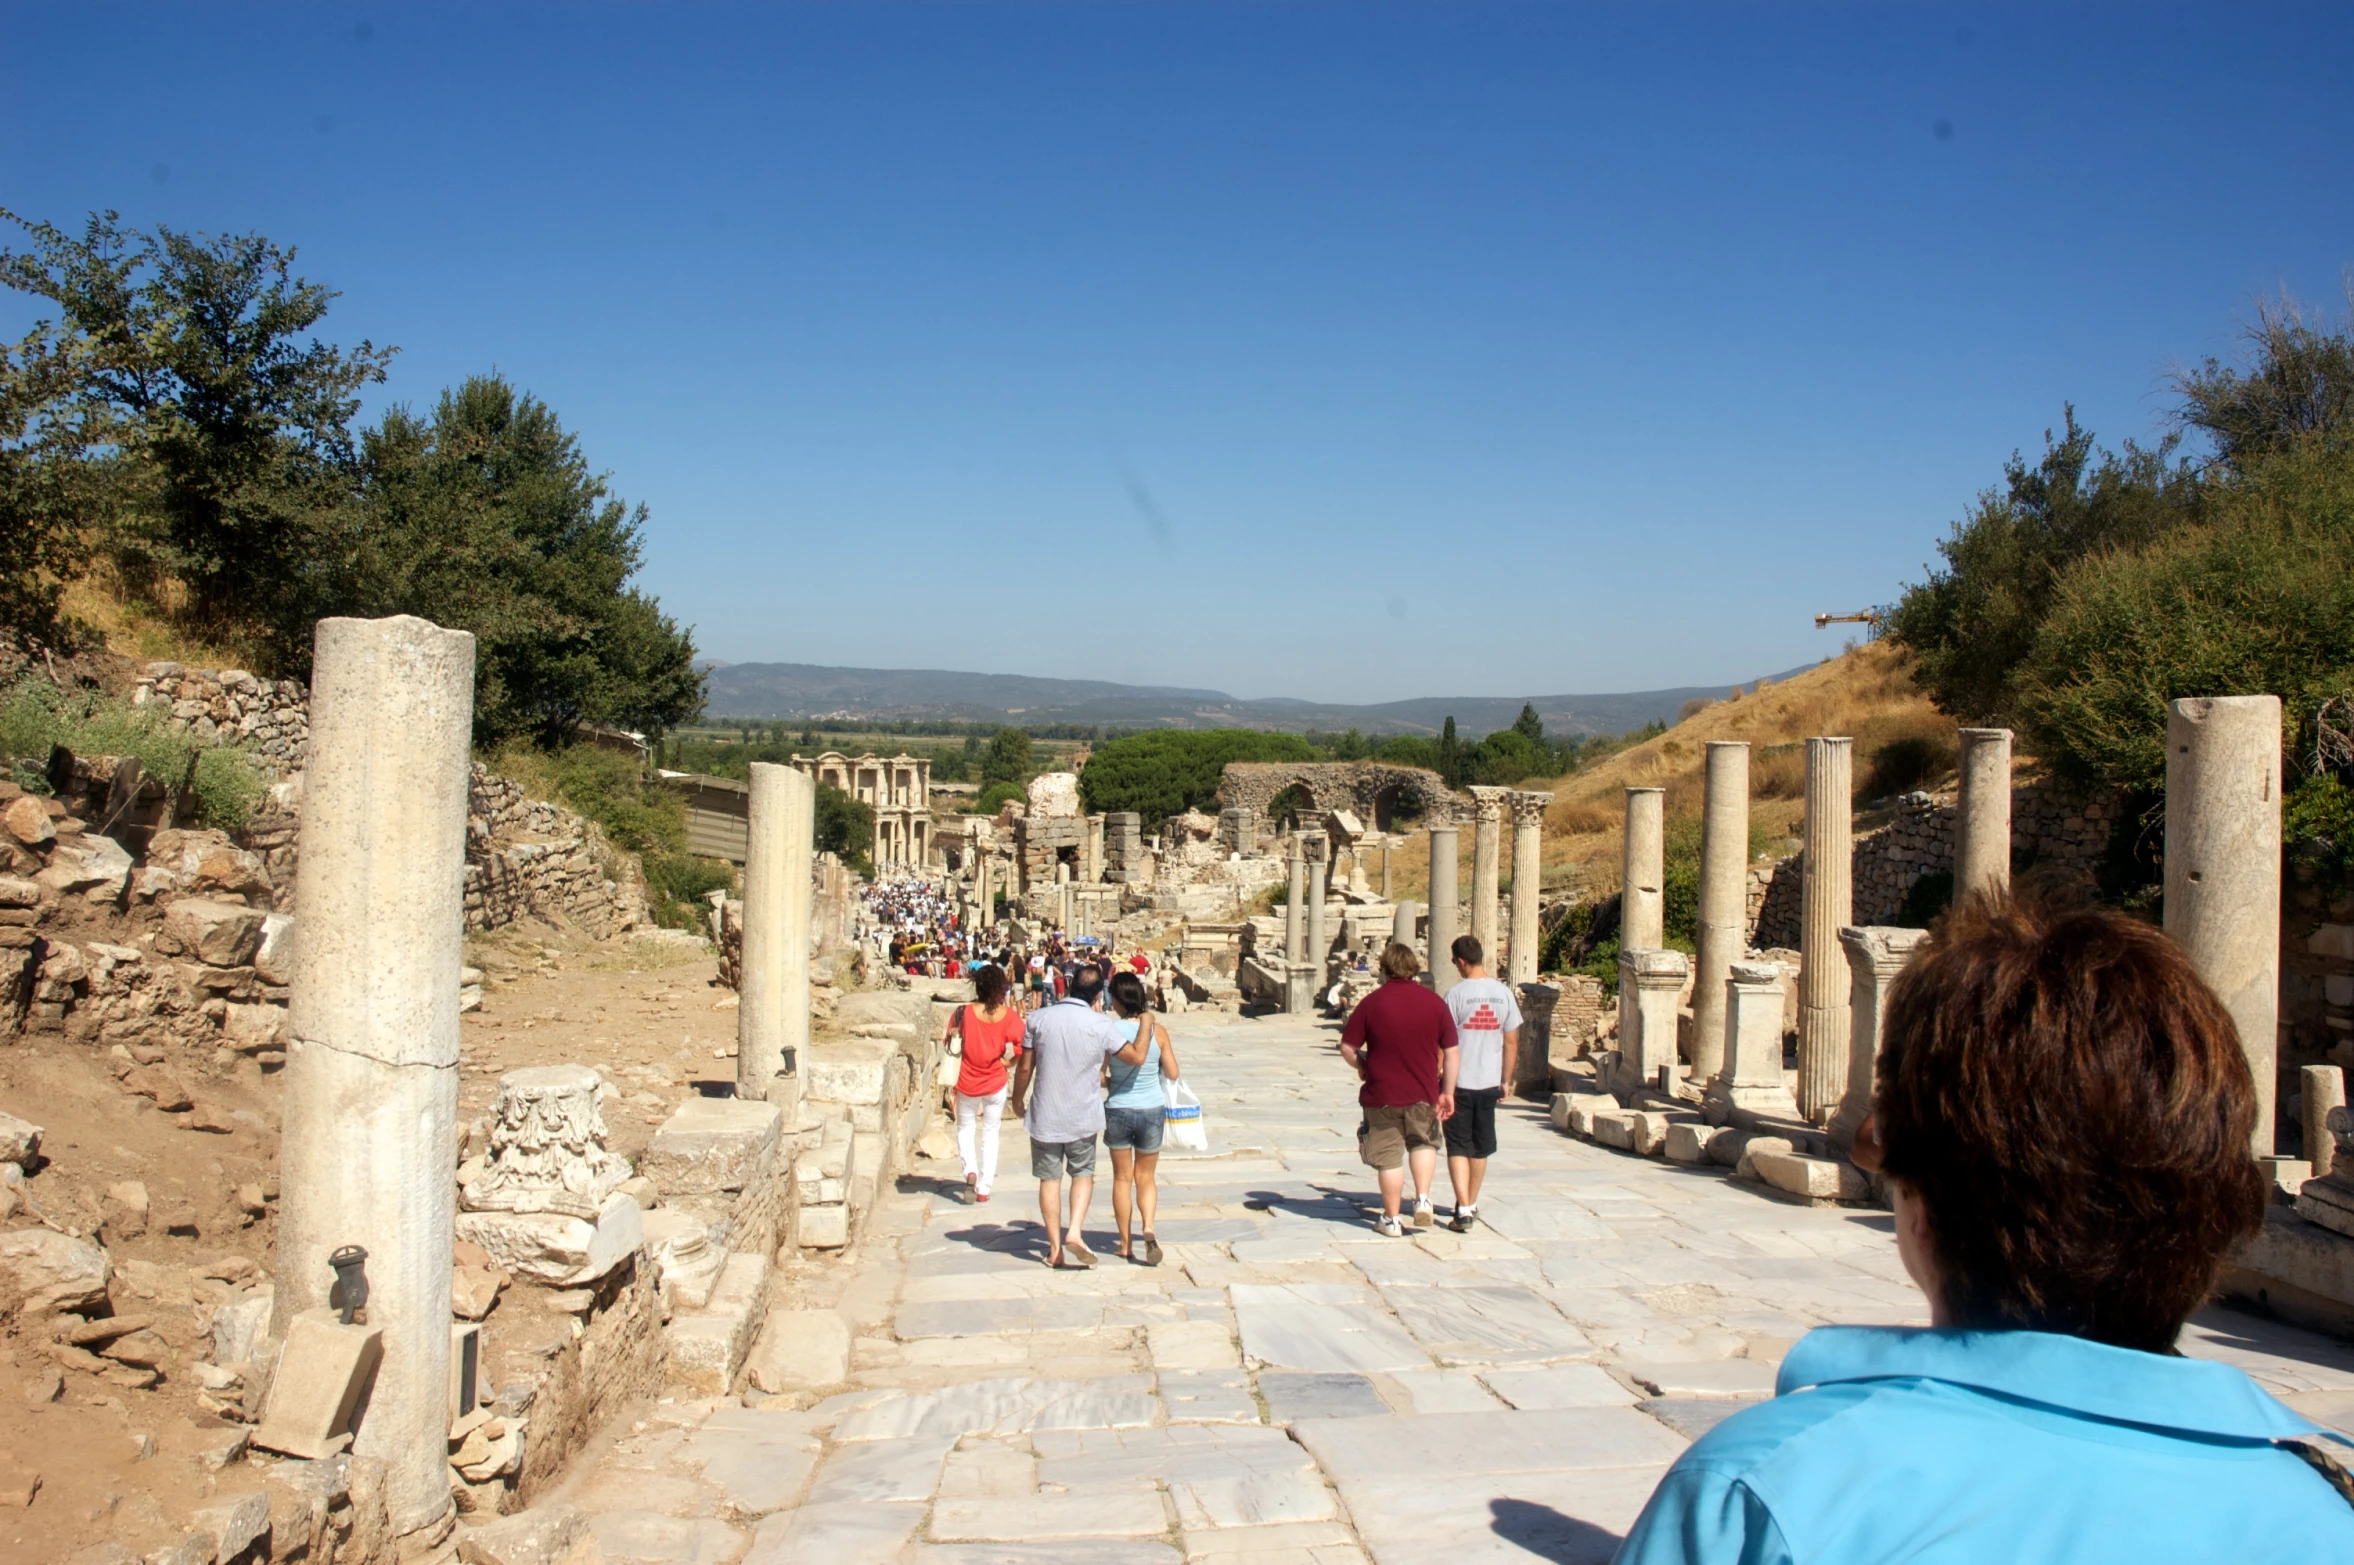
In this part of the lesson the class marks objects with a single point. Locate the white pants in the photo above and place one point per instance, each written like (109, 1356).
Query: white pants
(987, 1111)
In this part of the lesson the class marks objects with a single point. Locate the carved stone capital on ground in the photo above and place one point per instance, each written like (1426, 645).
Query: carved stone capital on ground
(547, 1147)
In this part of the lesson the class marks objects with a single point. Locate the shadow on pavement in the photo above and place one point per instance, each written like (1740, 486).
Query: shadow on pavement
(1549, 1535)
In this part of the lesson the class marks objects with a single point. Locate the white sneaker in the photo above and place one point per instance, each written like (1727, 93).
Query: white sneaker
(1390, 1228)
(1423, 1215)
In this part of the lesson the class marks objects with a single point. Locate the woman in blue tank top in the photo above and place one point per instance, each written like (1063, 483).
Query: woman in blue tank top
(1132, 1120)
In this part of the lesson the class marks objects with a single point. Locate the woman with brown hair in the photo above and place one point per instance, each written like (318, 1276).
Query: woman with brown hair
(2063, 1122)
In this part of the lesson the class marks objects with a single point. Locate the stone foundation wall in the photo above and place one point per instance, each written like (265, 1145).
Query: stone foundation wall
(1370, 789)
(526, 856)
(273, 717)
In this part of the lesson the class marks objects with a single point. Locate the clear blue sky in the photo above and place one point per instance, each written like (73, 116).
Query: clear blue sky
(1374, 350)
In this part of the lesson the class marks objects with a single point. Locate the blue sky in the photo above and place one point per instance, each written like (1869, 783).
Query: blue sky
(1352, 352)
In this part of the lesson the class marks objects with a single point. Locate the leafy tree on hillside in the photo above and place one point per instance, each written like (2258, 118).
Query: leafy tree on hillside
(1972, 622)
(486, 518)
(1528, 725)
(49, 491)
(845, 826)
(1450, 755)
(234, 420)
(2298, 387)
(1165, 773)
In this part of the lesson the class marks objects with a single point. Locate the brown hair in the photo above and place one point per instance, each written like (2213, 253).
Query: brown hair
(1399, 961)
(2071, 1105)
(989, 983)
(1466, 949)
(1127, 992)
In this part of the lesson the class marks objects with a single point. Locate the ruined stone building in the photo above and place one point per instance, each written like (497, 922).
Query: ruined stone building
(897, 789)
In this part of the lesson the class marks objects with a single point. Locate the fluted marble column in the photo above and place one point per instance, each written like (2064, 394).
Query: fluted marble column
(1443, 871)
(1487, 814)
(1319, 943)
(2223, 867)
(1982, 825)
(1642, 922)
(1826, 907)
(1875, 955)
(1724, 901)
(1528, 854)
(1295, 908)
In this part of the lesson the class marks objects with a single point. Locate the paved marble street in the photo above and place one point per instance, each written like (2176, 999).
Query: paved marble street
(1288, 1385)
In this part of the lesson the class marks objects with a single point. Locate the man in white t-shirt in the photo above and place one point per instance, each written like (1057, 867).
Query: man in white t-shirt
(1487, 1030)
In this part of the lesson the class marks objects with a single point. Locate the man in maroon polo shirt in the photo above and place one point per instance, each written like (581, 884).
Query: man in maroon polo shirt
(1401, 1040)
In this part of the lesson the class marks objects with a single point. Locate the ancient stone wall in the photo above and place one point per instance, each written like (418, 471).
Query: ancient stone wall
(2057, 833)
(273, 718)
(1373, 790)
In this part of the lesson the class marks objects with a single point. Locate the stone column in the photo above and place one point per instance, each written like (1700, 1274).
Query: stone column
(1443, 871)
(1982, 825)
(1528, 849)
(1875, 955)
(1486, 870)
(2223, 867)
(1533, 1066)
(371, 1107)
(1642, 919)
(1319, 944)
(1826, 906)
(1295, 910)
(1402, 925)
(1724, 906)
(1752, 1077)
(772, 1011)
(988, 906)
(2324, 1088)
(1385, 872)
(1656, 978)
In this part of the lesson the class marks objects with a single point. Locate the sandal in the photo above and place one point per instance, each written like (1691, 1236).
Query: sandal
(1077, 1251)
(1152, 1251)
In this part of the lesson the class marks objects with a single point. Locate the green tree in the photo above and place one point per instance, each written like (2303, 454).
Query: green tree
(1450, 755)
(1530, 726)
(1166, 773)
(50, 490)
(1007, 759)
(487, 518)
(845, 826)
(235, 418)
(1971, 624)
(2298, 386)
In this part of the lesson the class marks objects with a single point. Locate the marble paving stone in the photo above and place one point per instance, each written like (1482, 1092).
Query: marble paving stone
(1564, 1518)
(1439, 1391)
(906, 1469)
(1322, 1328)
(1193, 1345)
(1292, 1395)
(1215, 1477)
(989, 1317)
(1206, 1396)
(1292, 1543)
(1693, 1417)
(988, 1467)
(1561, 1385)
(1003, 1407)
(1421, 1451)
(647, 1538)
(1131, 1510)
(859, 1533)
(1702, 1378)
(626, 1489)
(758, 1459)
(1487, 1323)
(1093, 1551)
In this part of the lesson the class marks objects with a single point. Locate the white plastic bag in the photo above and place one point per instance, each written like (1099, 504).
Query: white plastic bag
(1181, 1118)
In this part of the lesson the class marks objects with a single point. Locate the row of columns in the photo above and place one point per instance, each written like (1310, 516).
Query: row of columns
(1489, 805)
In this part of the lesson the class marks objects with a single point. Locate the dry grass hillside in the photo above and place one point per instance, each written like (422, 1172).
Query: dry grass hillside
(1867, 694)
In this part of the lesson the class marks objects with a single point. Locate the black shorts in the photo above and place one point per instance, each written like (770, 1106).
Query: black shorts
(1472, 1130)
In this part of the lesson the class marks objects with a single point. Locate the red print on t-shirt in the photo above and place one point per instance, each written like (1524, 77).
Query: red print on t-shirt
(1483, 1020)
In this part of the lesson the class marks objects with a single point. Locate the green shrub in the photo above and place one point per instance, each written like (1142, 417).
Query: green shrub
(1902, 765)
(635, 811)
(1163, 774)
(1924, 899)
(996, 796)
(678, 883)
(845, 827)
(36, 716)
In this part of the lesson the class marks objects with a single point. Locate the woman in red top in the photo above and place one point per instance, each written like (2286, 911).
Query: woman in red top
(986, 1035)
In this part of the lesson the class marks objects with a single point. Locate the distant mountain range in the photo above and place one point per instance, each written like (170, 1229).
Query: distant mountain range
(807, 690)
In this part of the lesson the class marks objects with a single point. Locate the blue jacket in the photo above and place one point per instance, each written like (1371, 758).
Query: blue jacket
(2011, 1446)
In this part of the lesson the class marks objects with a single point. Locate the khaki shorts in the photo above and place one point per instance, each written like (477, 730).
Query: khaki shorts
(1388, 1134)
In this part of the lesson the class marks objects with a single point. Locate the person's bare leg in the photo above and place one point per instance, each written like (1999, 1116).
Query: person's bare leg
(1459, 1181)
(1479, 1177)
(1148, 1191)
(1082, 1192)
(1050, 1212)
(1393, 1189)
(1425, 1162)
(1123, 1191)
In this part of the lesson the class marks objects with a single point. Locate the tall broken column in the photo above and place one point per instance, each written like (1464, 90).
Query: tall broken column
(1875, 955)
(1827, 905)
(370, 1141)
(1982, 835)
(1486, 870)
(982, 899)
(1319, 944)
(1295, 907)
(2223, 867)
(1443, 872)
(1402, 924)
(1528, 852)
(1723, 933)
(1642, 916)
(772, 1011)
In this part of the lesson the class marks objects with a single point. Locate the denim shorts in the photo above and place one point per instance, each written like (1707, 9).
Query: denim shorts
(1052, 1159)
(1139, 1129)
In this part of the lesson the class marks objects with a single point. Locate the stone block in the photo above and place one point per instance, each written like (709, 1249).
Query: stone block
(273, 958)
(1559, 1112)
(97, 867)
(20, 1140)
(713, 1144)
(218, 934)
(554, 1534)
(707, 1348)
(801, 1350)
(1751, 1149)
(1815, 1178)
(42, 1271)
(27, 821)
(323, 1370)
(1687, 1142)
(1613, 1127)
(847, 1072)
(552, 1248)
(249, 1029)
(234, 1523)
(824, 1227)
